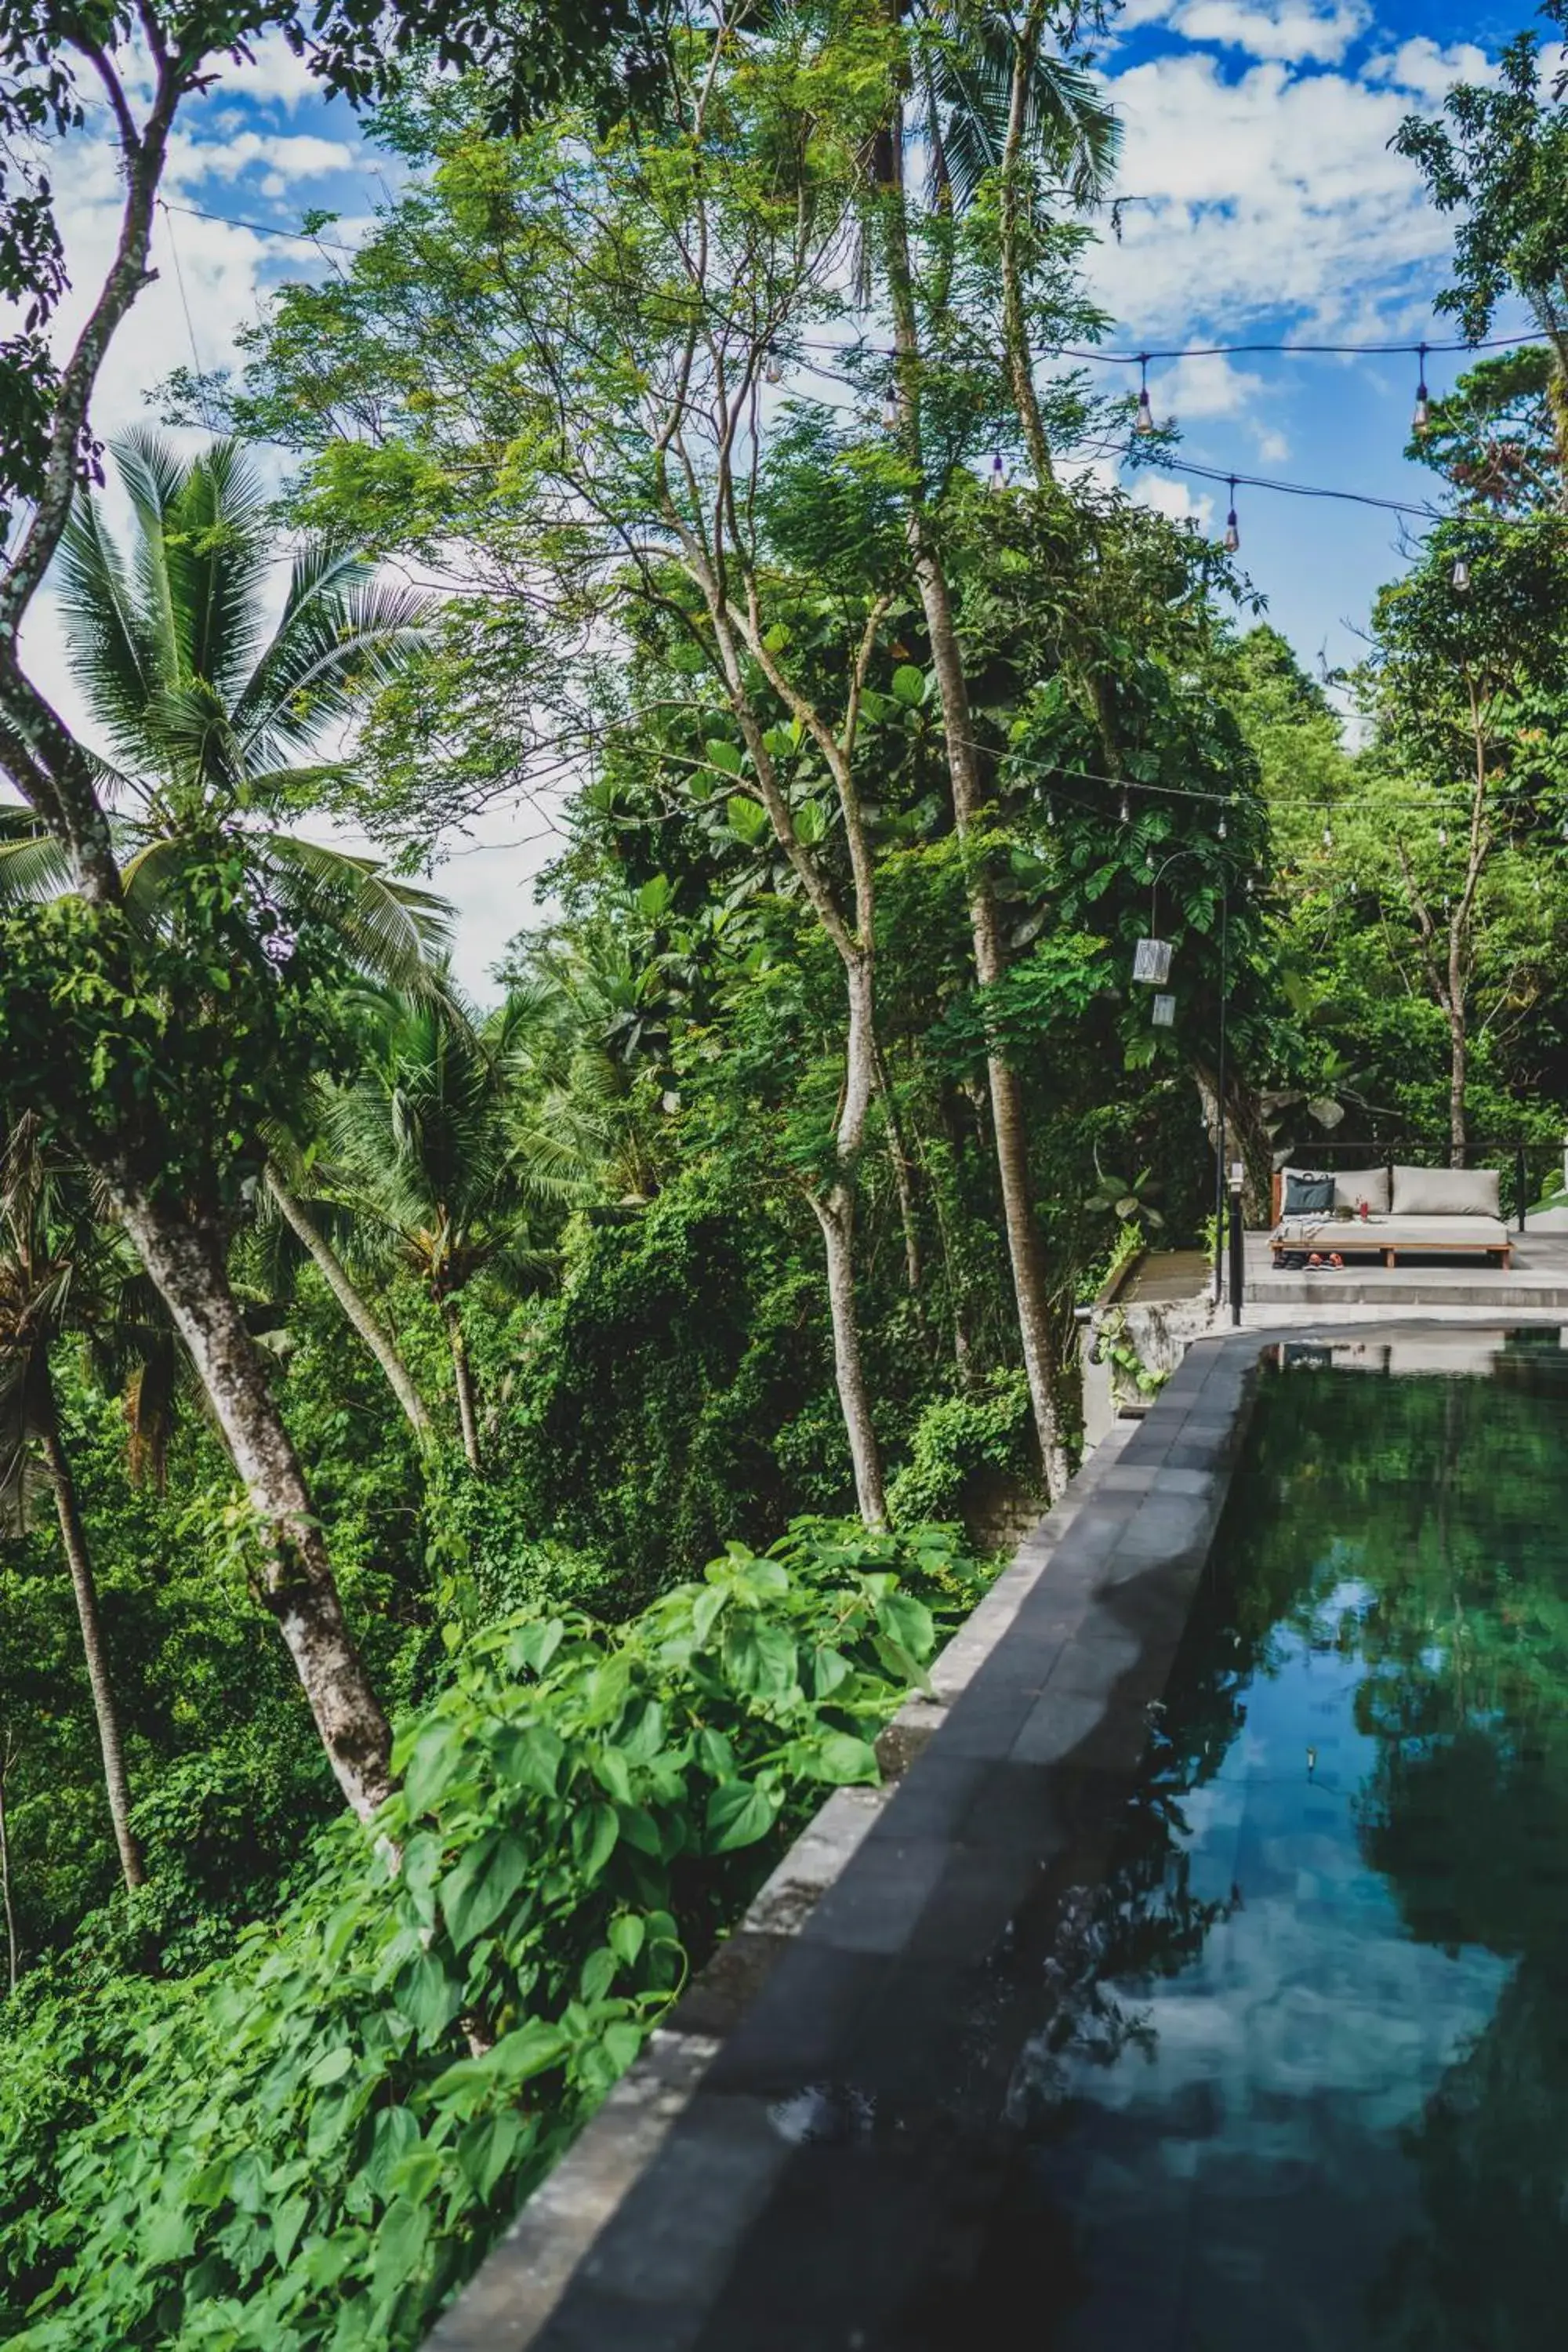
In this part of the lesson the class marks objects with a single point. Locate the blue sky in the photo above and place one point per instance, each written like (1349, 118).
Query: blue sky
(1255, 138)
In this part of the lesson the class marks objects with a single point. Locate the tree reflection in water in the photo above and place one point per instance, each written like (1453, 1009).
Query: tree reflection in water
(1297, 2068)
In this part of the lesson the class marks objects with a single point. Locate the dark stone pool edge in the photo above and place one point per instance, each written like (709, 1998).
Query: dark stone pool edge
(629, 2241)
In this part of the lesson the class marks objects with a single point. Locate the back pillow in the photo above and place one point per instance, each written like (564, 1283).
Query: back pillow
(1308, 1196)
(1446, 1192)
(1354, 1186)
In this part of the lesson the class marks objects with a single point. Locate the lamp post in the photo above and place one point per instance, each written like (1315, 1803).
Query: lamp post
(1219, 1129)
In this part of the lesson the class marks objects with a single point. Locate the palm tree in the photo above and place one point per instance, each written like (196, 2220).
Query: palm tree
(58, 1273)
(422, 1138)
(211, 717)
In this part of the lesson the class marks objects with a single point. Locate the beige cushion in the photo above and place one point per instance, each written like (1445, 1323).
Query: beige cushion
(1446, 1192)
(1348, 1234)
(1354, 1186)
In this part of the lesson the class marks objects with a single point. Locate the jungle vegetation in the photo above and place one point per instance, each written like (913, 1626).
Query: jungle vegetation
(472, 1475)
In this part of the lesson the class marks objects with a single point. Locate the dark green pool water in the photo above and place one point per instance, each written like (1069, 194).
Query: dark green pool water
(1304, 2081)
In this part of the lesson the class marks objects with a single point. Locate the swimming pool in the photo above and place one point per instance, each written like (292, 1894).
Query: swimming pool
(1299, 2073)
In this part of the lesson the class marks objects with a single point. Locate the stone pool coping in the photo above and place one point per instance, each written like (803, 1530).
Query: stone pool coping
(1008, 1782)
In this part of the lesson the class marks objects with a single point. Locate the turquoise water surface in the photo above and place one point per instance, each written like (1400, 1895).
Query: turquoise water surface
(1302, 2080)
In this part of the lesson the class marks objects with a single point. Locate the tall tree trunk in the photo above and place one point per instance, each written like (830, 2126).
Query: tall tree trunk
(73, 1535)
(836, 1215)
(463, 1382)
(7, 1757)
(1014, 325)
(1459, 1076)
(1008, 1123)
(899, 1161)
(184, 1259)
(357, 1309)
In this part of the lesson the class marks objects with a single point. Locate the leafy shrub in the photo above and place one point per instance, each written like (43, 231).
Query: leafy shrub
(311, 2145)
(957, 1437)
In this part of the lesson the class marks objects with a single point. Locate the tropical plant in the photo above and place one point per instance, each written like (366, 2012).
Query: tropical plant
(422, 1140)
(62, 1275)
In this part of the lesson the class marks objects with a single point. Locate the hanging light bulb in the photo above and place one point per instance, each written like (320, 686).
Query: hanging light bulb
(890, 405)
(1123, 813)
(1461, 575)
(1149, 864)
(1328, 836)
(1050, 813)
(998, 481)
(774, 371)
(1144, 420)
(1220, 827)
(1232, 528)
(1423, 416)
(1442, 837)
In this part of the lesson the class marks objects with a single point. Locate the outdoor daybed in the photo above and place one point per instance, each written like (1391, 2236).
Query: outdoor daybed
(1381, 1213)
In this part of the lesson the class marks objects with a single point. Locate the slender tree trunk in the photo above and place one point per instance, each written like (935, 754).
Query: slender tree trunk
(184, 1260)
(899, 1159)
(463, 1382)
(1009, 1127)
(356, 1308)
(1014, 325)
(73, 1535)
(1008, 1122)
(836, 1215)
(7, 1757)
(1458, 1076)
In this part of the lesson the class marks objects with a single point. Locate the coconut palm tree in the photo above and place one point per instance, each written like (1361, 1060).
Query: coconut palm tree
(423, 1143)
(211, 713)
(61, 1273)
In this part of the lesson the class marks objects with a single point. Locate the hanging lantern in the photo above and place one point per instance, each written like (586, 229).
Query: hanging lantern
(1327, 837)
(1220, 827)
(1144, 420)
(1050, 813)
(1232, 528)
(1152, 962)
(1165, 1015)
(1423, 416)
(1122, 812)
(998, 481)
(774, 371)
(1461, 575)
(1442, 837)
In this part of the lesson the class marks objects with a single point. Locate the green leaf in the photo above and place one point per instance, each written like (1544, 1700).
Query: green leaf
(476, 1891)
(811, 823)
(739, 1814)
(748, 822)
(627, 1935)
(722, 755)
(595, 1832)
(288, 2222)
(909, 686)
(909, 1623)
(760, 1658)
(487, 2147)
(401, 2237)
(845, 1760)
(529, 1758)
(429, 1998)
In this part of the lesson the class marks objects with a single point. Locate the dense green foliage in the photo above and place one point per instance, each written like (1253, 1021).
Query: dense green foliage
(456, 1341)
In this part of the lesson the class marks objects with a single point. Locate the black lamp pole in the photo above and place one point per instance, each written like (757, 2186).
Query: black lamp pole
(1219, 1121)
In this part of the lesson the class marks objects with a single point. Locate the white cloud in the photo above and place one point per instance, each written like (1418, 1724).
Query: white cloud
(1288, 29)
(1173, 500)
(278, 74)
(1429, 71)
(1274, 192)
(1206, 384)
(292, 155)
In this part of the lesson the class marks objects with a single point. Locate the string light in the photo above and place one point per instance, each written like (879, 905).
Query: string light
(1442, 837)
(998, 481)
(1328, 836)
(1423, 416)
(890, 396)
(1220, 827)
(1461, 575)
(1232, 528)
(1144, 420)
(775, 368)
(1123, 808)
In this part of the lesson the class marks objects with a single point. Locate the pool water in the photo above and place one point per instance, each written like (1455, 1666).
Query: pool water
(1301, 2078)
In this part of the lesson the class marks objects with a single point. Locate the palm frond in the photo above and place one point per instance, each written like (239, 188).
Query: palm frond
(391, 930)
(116, 654)
(33, 865)
(341, 631)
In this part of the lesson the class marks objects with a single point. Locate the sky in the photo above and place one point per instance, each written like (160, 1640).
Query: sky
(1268, 209)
